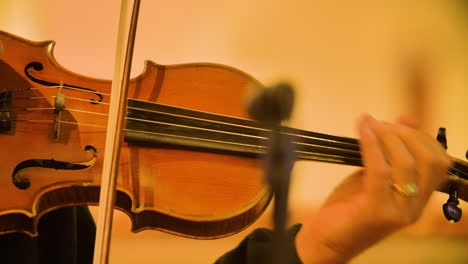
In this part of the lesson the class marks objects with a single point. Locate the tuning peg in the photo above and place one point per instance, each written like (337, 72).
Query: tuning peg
(452, 212)
(442, 137)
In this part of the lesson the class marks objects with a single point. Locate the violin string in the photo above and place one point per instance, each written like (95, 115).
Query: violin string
(256, 147)
(141, 109)
(294, 131)
(33, 121)
(74, 98)
(53, 87)
(197, 129)
(337, 139)
(27, 98)
(82, 124)
(86, 100)
(222, 133)
(50, 108)
(29, 88)
(254, 127)
(458, 170)
(43, 87)
(84, 90)
(61, 121)
(51, 96)
(343, 153)
(15, 89)
(318, 155)
(86, 112)
(225, 142)
(90, 112)
(325, 156)
(26, 109)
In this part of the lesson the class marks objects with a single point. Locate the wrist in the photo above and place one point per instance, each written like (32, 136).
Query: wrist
(312, 250)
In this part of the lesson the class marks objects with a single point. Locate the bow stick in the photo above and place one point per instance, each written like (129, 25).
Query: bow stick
(115, 125)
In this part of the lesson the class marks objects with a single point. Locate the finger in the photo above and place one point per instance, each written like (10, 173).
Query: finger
(377, 168)
(399, 157)
(408, 121)
(431, 159)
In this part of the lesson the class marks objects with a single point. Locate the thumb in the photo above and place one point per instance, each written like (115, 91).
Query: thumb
(408, 121)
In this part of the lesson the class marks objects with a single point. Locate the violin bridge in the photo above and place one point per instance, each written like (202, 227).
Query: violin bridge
(5, 110)
(59, 107)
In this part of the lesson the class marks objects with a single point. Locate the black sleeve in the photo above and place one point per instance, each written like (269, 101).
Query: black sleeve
(256, 248)
(66, 235)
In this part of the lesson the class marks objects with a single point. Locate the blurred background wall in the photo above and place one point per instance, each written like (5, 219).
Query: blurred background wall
(385, 58)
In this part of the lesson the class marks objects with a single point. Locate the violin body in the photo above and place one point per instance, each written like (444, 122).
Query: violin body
(189, 162)
(52, 133)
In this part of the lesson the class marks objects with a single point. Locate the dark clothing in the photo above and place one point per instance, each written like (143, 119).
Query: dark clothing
(67, 237)
(256, 248)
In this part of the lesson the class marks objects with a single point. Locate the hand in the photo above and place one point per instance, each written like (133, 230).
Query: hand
(366, 207)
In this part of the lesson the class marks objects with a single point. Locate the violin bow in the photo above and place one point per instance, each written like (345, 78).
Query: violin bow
(115, 125)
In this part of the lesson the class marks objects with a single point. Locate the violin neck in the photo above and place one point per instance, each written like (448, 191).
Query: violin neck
(174, 127)
(150, 123)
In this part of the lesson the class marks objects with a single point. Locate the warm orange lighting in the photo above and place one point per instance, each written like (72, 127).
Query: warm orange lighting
(346, 59)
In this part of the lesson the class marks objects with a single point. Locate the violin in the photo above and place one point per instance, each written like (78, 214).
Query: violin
(190, 160)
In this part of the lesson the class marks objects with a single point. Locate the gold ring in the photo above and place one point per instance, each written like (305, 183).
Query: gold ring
(407, 190)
